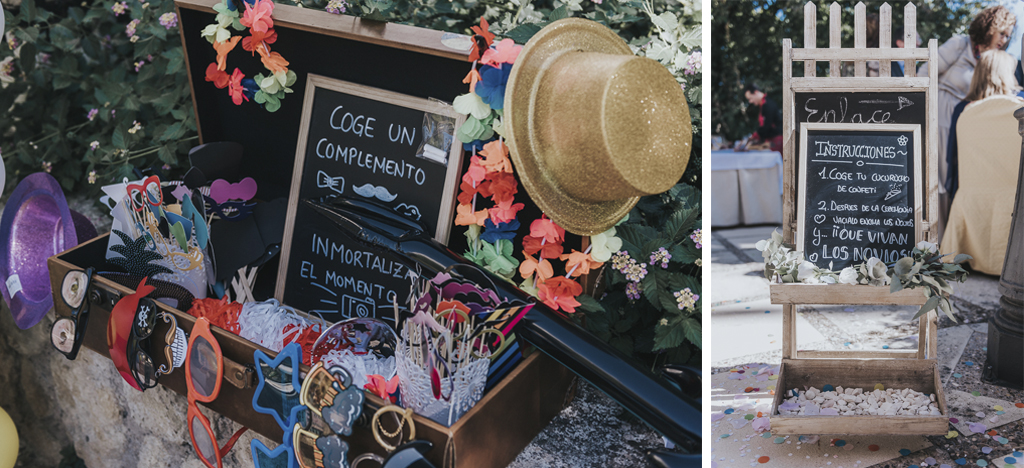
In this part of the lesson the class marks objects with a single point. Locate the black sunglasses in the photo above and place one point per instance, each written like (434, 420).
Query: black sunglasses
(142, 365)
(67, 333)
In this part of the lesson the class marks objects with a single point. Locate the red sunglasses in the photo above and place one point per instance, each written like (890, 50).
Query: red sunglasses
(204, 370)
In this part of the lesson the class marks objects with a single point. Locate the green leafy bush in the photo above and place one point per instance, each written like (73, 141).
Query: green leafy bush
(86, 88)
(86, 102)
(650, 306)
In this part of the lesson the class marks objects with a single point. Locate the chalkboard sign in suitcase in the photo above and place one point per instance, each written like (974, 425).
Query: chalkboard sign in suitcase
(524, 401)
(859, 179)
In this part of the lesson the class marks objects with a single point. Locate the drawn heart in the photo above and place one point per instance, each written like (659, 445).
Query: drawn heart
(819, 218)
(222, 191)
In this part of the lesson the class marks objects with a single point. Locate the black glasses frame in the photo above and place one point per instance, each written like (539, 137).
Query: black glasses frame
(79, 318)
(143, 326)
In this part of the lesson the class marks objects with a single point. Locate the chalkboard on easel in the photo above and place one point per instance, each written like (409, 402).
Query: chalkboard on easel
(369, 143)
(860, 192)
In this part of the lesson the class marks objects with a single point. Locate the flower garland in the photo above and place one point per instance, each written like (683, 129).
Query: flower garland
(924, 268)
(491, 231)
(265, 90)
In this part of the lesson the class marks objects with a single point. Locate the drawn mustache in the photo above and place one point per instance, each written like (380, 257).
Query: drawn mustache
(371, 191)
(334, 183)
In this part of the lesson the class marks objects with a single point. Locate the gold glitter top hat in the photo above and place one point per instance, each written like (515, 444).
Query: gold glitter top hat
(591, 127)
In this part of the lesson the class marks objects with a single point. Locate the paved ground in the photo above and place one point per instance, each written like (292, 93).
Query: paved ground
(746, 342)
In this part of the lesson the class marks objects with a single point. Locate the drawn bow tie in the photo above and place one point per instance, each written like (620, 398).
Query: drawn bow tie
(334, 183)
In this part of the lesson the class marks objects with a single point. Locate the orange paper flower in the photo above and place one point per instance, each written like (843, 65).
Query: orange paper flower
(471, 78)
(482, 39)
(530, 265)
(582, 262)
(258, 17)
(273, 61)
(495, 156)
(235, 88)
(466, 217)
(222, 49)
(218, 77)
(445, 308)
(560, 293)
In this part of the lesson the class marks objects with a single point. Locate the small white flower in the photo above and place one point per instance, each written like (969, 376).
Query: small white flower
(927, 247)
(848, 275)
(806, 272)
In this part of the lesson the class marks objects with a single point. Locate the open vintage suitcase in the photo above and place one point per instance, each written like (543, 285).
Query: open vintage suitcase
(370, 53)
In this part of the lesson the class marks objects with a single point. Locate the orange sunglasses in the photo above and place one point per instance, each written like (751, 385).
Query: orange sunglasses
(204, 370)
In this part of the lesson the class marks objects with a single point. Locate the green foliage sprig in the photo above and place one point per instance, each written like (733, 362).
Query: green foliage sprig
(923, 269)
(651, 304)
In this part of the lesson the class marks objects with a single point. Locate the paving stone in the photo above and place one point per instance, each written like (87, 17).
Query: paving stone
(952, 342)
(744, 328)
(965, 407)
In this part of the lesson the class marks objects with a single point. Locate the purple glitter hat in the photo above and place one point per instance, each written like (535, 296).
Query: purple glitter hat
(36, 225)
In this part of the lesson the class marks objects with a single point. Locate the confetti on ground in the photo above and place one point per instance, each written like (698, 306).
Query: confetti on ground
(885, 346)
(952, 420)
(986, 450)
(958, 375)
(961, 461)
(904, 452)
(998, 407)
(968, 363)
(828, 388)
(976, 393)
(1018, 454)
(763, 459)
(840, 443)
(952, 434)
(1002, 440)
(873, 448)
(982, 462)
(1010, 460)
(1019, 405)
(879, 386)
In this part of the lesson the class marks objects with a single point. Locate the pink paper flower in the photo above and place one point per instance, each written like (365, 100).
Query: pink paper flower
(258, 17)
(505, 52)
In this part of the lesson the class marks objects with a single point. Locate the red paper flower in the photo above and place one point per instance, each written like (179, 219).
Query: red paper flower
(259, 39)
(505, 211)
(382, 388)
(218, 77)
(235, 88)
(446, 308)
(476, 173)
(560, 293)
(258, 17)
(482, 39)
(502, 187)
(533, 245)
(467, 191)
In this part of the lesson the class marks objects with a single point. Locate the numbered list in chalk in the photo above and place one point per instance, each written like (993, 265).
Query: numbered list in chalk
(859, 197)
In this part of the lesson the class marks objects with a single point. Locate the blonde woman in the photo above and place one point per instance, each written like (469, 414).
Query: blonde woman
(958, 57)
(993, 77)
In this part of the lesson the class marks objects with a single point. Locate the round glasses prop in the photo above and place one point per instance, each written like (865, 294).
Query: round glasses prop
(364, 346)
(405, 455)
(67, 333)
(142, 365)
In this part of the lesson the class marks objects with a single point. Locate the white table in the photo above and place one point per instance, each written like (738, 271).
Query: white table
(746, 187)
